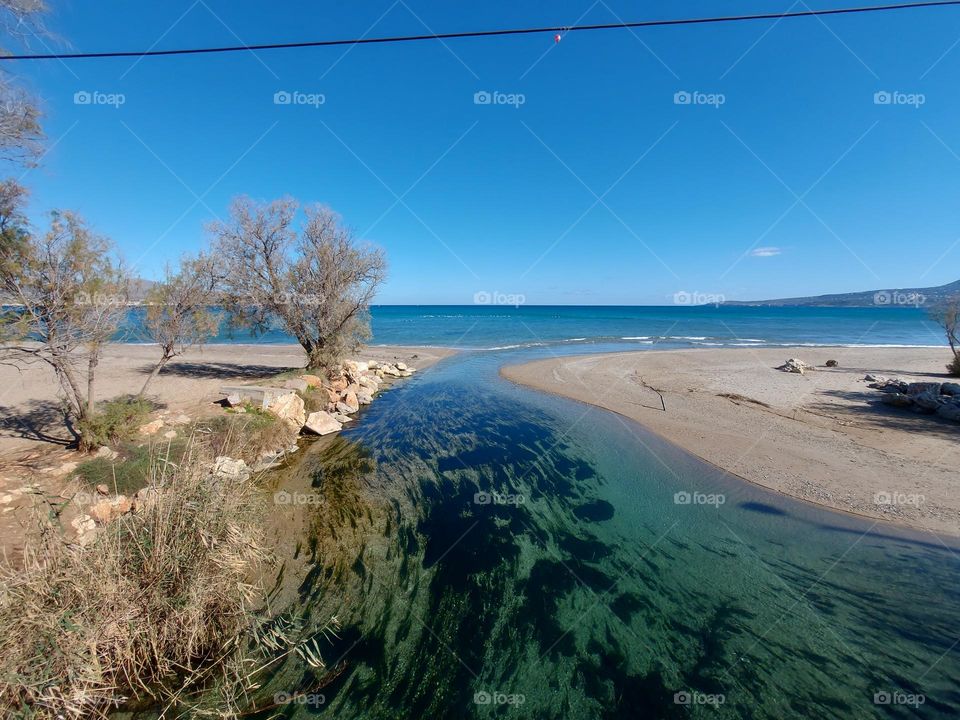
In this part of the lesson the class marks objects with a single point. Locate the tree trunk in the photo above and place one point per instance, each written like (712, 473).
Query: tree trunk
(91, 378)
(153, 373)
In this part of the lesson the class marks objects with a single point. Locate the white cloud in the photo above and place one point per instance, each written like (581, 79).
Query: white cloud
(764, 252)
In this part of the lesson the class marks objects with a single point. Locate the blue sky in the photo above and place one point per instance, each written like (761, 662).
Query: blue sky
(783, 176)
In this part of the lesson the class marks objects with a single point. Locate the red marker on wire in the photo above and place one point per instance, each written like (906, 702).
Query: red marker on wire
(558, 37)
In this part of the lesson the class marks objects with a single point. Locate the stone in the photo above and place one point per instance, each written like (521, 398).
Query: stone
(257, 395)
(896, 400)
(950, 388)
(379, 373)
(298, 384)
(143, 497)
(389, 370)
(401, 366)
(312, 380)
(352, 388)
(341, 418)
(361, 367)
(332, 395)
(322, 423)
(869, 377)
(103, 489)
(150, 428)
(890, 386)
(290, 409)
(350, 400)
(339, 383)
(928, 400)
(233, 400)
(793, 365)
(180, 419)
(344, 408)
(105, 453)
(369, 383)
(949, 411)
(226, 468)
(364, 398)
(372, 365)
(85, 527)
(107, 511)
(405, 373)
(170, 434)
(832, 363)
(916, 388)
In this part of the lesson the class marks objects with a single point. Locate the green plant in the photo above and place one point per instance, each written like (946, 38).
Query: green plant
(115, 420)
(953, 367)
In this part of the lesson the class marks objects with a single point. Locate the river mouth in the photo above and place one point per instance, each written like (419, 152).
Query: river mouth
(492, 551)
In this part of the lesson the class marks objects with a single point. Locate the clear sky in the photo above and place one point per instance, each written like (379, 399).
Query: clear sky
(783, 175)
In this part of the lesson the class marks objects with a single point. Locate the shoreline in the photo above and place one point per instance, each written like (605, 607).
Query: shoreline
(815, 438)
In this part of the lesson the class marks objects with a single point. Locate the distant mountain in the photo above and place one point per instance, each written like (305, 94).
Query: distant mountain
(870, 298)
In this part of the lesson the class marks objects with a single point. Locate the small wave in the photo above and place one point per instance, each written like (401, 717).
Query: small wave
(638, 337)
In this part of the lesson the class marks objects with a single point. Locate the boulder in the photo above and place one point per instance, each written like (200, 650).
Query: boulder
(322, 423)
(369, 383)
(109, 510)
(928, 400)
(869, 377)
(389, 370)
(832, 363)
(150, 428)
(290, 409)
(352, 388)
(949, 411)
(405, 373)
(890, 386)
(233, 400)
(361, 367)
(896, 400)
(401, 366)
(312, 380)
(105, 453)
(344, 409)
(298, 384)
(226, 468)
(332, 395)
(341, 418)
(916, 388)
(793, 365)
(350, 400)
(102, 489)
(339, 383)
(144, 497)
(170, 434)
(372, 364)
(364, 398)
(180, 419)
(950, 388)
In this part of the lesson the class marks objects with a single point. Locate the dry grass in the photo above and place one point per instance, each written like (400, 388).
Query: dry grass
(156, 607)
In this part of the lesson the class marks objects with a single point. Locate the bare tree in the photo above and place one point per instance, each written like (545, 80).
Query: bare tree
(947, 315)
(317, 280)
(180, 312)
(66, 299)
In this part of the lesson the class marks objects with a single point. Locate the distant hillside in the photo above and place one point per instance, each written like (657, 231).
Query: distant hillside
(870, 298)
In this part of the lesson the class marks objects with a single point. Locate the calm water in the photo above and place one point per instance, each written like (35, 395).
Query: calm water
(484, 326)
(512, 554)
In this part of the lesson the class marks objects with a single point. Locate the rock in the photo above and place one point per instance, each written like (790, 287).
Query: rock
(109, 510)
(105, 453)
(401, 366)
(312, 380)
(170, 434)
(322, 423)
(364, 398)
(379, 373)
(896, 400)
(949, 411)
(143, 497)
(341, 418)
(352, 388)
(873, 378)
(793, 365)
(928, 400)
(226, 468)
(332, 395)
(916, 388)
(290, 409)
(151, 427)
(372, 365)
(369, 383)
(103, 489)
(86, 528)
(832, 363)
(298, 384)
(64, 469)
(950, 388)
(389, 370)
(361, 367)
(351, 401)
(890, 386)
(233, 400)
(344, 408)
(180, 419)
(339, 383)
(405, 373)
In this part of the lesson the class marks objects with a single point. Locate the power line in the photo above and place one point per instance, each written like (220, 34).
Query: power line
(481, 33)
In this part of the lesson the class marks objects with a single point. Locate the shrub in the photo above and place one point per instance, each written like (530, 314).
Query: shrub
(953, 367)
(115, 420)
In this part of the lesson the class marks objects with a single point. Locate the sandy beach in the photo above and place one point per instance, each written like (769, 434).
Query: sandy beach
(817, 436)
(190, 384)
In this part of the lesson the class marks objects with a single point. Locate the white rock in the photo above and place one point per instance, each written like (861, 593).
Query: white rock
(290, 409)
(401, 366)
(322, 423)
(150, 428)
(226, 468)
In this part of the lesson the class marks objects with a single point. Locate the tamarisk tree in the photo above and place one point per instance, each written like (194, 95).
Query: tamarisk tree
(947, 315)
(315, 277)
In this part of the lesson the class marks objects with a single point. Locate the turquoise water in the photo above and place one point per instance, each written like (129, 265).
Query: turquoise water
(486, 326)
(528, 556)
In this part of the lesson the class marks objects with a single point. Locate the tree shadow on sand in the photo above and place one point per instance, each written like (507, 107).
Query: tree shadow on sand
(219, 371)
(42, 420)
(868, 411)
